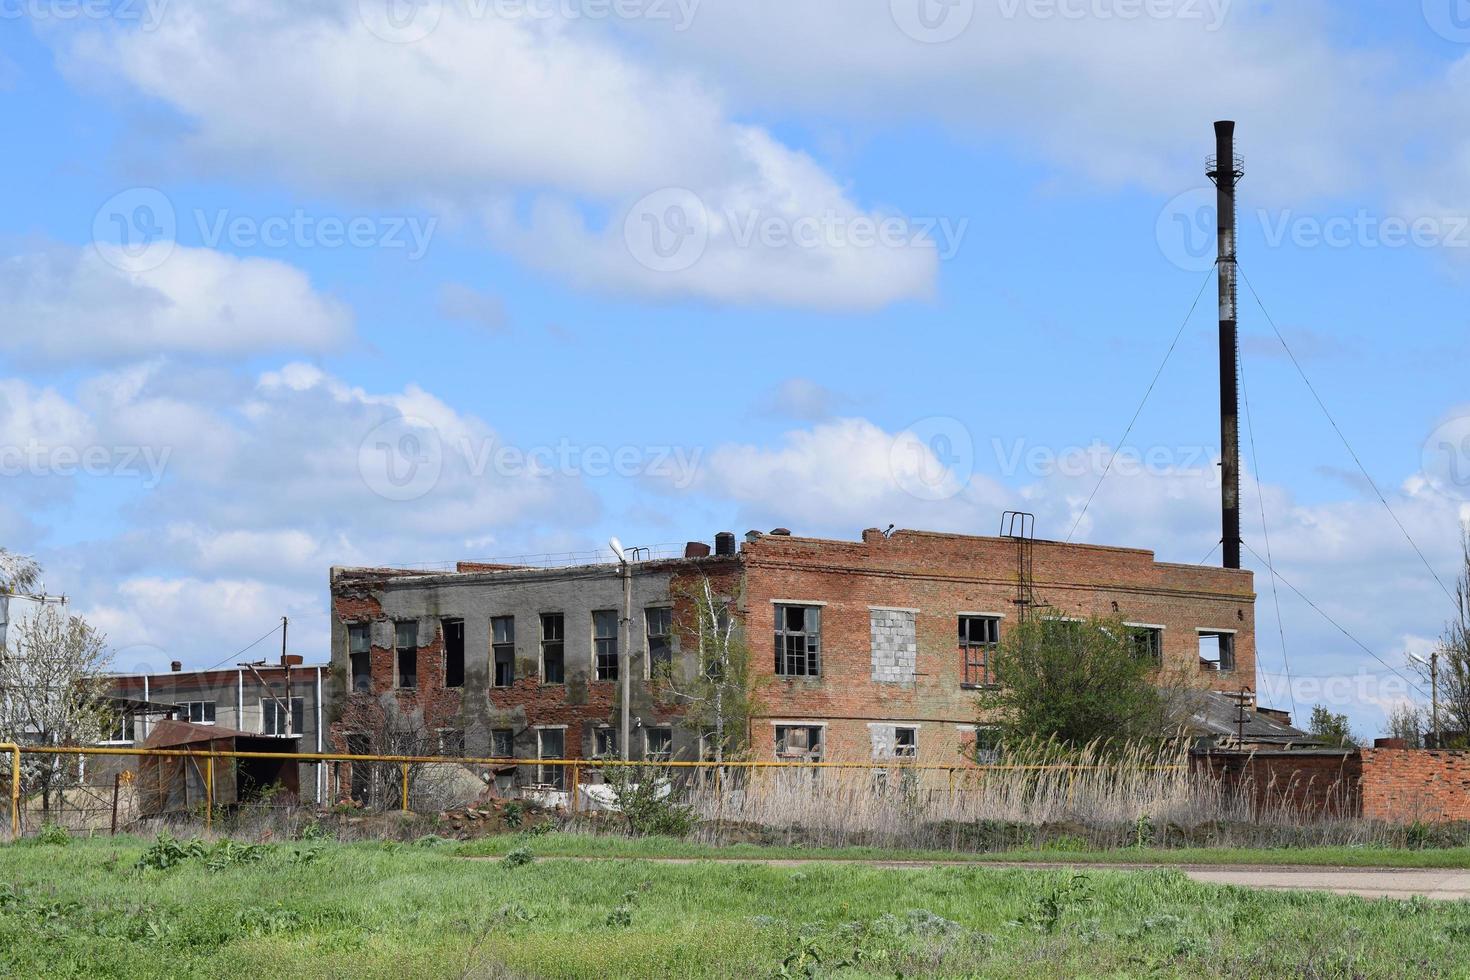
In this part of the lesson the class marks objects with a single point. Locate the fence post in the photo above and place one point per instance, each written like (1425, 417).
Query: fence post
(209, 790)
(404, 767)
(15, 792)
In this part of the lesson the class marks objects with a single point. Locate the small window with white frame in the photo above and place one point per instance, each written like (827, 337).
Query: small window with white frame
(551, 743)
(273, 716)
(198, 712)
(659, 630)
(799, 743)
(658, 743)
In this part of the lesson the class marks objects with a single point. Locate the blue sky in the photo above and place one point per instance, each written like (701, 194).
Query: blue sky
(911, 268)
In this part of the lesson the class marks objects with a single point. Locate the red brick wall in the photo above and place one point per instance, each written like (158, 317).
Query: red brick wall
(1309, 783)
(941, 576)
(1405, 786)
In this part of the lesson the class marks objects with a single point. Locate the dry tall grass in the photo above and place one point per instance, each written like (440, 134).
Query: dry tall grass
(1099, 797)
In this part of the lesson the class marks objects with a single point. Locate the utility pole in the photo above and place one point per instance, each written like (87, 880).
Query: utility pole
(286, 663)
(1226, 170)
(626, 673)
(1434, 697)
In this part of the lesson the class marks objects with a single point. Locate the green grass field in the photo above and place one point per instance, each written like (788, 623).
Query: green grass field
(369, 910)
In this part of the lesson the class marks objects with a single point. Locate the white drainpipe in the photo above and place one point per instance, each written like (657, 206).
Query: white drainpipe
(321, 767)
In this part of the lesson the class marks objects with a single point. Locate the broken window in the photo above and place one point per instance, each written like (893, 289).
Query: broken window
(1216, 651)
(502, 743)
(451, 743)
(660, 630)
(605, 742)
(1148, 643)
(406, 648)
(553, 648)
(905, 743)
(979, 636)
(551, 744)
(503, 647)
(453, 653)
(273, 716)
(359, 656)
(799, 743)
(199, 712)
(605, 644)
(798, 641)
(658, 744)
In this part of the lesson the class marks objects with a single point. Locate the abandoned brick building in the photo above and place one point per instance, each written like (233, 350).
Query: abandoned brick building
(861, 649)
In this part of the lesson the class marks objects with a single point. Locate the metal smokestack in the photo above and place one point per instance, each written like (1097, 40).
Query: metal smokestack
(1226, 169)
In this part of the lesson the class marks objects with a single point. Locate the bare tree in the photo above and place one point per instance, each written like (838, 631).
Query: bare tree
(52, 685)
(1454, 659)
(1406, 722)
(718, 696)
(18, 575)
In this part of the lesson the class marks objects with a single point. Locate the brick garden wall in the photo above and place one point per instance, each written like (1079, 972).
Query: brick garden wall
(1403, 786)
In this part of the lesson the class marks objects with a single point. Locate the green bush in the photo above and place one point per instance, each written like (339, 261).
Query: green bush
(53, 835)
(518, 857)
(645, 799)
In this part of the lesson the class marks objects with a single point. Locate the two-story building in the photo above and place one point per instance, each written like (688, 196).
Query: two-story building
(861, 649)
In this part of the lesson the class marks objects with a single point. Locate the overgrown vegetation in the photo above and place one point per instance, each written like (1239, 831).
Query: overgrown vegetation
(1333, 729)
(370, 910)
(1079, 683)
(645, 799)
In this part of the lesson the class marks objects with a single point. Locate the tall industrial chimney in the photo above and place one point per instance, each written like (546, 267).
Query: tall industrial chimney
(1226, 169)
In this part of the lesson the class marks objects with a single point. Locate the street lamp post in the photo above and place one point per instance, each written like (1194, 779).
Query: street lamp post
(625, 641)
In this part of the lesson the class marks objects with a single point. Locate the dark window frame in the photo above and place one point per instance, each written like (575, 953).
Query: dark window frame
(502, 651)
(553, 776)
(558, 644)
(405, 655)
(979, 637)
(798, 651)
(660, 644)
(452, 629)
(1225, 664)
(272, 719)
(605, 659)
(1148, 642)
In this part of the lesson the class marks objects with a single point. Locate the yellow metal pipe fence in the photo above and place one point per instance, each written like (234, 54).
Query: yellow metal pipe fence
(722, 776)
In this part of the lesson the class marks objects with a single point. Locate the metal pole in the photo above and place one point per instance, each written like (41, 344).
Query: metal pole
(287, 664)
(1226, 175)
(625, 738)
(1434, 696)
(209, 790)
(116, 786)
(15, 792)
(404, 767)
